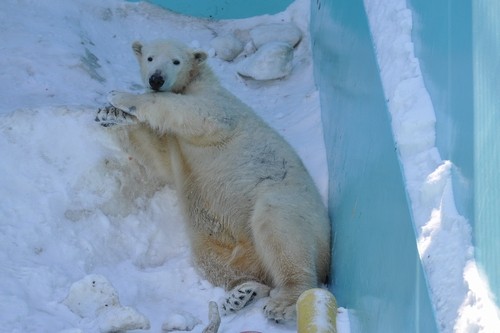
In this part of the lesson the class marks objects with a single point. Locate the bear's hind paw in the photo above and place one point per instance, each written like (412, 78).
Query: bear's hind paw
(280, 310)
(110, 115)
(242, 295)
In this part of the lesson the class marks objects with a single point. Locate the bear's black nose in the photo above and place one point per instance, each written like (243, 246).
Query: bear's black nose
(156, 81)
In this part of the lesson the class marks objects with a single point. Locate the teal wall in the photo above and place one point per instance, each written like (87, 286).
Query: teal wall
(458, 45)
(486, 74)
(442, 36)
(377, 272)
(224, 9)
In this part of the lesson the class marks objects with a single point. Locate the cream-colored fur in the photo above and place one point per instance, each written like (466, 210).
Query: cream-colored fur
(254, 215)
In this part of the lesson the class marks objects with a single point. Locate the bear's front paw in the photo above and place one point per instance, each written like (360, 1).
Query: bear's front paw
(110, 115)
(124, 101)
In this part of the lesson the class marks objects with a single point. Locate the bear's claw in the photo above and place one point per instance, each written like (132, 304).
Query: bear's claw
(110, 115)
(123, 101)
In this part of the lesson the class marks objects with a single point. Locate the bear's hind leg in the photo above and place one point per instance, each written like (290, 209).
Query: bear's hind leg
(283, 242)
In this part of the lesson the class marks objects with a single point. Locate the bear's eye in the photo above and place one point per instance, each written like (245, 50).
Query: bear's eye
(176, 62)
(150, 59)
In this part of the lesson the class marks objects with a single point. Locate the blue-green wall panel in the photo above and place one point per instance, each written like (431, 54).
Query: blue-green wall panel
(223, 9)
(458, 46)
(442, 36)
(486, 73)
(377, 273)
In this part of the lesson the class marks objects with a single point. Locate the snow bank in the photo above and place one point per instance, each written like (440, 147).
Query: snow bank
(271, 61)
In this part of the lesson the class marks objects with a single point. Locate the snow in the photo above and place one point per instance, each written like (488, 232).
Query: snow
(275, 32)
(227, 47)
(273, 60)
(180, 322)
(91, 295)
(75, 206)
(459, 294)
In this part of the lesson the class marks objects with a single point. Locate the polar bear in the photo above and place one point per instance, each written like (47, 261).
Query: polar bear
(256, 222)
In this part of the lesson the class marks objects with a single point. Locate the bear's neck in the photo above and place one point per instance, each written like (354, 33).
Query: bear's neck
(198, 77)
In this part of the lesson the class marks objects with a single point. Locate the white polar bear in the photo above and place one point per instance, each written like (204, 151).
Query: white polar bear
(255, 218)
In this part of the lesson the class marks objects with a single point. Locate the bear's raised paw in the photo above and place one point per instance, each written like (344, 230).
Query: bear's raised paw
(110, 115)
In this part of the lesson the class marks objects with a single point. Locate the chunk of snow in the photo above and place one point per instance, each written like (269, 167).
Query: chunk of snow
(121, 318)
(90, 295)
(180, 322)
(227, 47)
(271, 61)
(95, 297)
(276, 32)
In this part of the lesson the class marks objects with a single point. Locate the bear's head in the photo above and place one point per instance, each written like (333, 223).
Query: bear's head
(168, 65)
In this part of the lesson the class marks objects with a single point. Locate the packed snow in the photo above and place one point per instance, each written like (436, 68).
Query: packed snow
(273, 60)
(89, 244)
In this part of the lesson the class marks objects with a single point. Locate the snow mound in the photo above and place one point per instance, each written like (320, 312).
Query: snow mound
(262, 52)
(180, 321)
(271, 61)
(91, 295)
(122, 318)
(94, 297)
(227, 47)
(276, 32)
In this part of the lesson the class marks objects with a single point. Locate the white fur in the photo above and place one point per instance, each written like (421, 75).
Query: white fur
(252, 210)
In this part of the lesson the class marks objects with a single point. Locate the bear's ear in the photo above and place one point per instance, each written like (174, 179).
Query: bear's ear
(137, 47)
(200, 56)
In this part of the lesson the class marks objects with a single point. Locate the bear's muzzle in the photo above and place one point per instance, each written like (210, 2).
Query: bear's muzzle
(156, 81)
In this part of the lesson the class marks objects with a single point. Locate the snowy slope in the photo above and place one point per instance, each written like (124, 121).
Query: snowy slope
(72, 203)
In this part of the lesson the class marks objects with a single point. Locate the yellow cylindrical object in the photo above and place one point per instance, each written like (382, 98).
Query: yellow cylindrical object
(316, 312)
